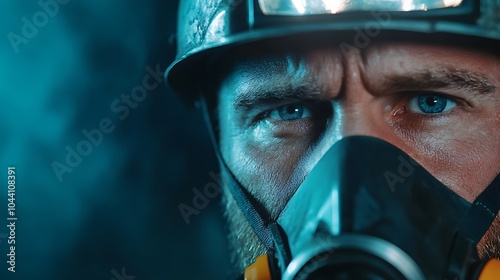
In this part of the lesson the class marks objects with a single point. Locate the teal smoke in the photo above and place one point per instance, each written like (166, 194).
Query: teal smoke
(117, 207)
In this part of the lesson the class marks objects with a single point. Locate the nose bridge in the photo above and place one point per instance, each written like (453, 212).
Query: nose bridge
(358, 116)
(357, 107)
(358, 120)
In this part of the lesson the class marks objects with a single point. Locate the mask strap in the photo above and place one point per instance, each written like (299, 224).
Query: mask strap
(255, 213)
(483, 211)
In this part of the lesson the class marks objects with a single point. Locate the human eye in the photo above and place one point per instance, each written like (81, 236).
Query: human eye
(306, 118)
(431, 103)
(426, 111)
(290, 112)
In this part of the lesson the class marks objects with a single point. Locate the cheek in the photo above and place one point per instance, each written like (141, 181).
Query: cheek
(270, 170)
(464, 156)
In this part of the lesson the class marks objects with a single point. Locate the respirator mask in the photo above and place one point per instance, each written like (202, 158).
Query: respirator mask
(369, 211)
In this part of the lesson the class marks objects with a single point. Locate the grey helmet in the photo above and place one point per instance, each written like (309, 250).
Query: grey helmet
(207, 28)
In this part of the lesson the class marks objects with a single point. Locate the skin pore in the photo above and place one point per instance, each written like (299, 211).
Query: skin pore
(279, 112)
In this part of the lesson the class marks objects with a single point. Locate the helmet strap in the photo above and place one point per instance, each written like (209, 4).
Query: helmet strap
(256, 214)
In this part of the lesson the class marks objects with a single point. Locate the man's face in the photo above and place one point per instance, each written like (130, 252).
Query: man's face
(280, 112)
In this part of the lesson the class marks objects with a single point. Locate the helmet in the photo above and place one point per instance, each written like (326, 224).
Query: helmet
(207, 28)
(332, 238)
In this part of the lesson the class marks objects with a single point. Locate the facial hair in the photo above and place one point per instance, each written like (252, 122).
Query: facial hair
(489, 246)
(244, 244)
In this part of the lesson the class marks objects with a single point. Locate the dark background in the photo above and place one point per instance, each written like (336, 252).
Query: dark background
(116, 212)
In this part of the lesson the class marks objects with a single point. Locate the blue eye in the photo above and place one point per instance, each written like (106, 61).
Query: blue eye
(290, 112)
(431, 104)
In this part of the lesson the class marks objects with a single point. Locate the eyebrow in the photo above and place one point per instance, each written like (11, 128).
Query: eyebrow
(266, 93)
(441, 78)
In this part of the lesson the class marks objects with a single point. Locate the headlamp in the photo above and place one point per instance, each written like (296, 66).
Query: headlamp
(322, 7)
(263, 14)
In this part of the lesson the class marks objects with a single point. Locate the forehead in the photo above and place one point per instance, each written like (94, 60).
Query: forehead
(323, 67)
(287, 70)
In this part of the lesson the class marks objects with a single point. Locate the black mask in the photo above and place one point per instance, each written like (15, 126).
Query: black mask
(368, 211)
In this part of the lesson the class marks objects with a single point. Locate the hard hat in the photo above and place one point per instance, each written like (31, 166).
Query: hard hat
(207, 28)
